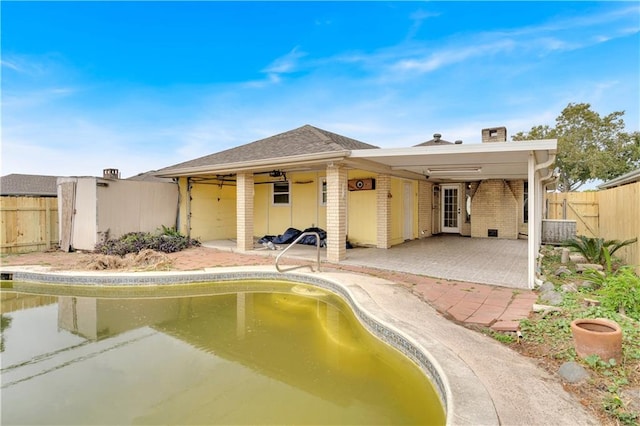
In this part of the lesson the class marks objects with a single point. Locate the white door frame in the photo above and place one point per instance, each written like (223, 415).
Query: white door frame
(450, 202)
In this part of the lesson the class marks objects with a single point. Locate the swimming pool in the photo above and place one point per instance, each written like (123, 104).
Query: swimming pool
(227, 352)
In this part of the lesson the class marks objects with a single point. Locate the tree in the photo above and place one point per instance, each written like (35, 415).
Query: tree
(589, 146)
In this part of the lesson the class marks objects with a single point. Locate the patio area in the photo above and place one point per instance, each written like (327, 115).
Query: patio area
(498, 262)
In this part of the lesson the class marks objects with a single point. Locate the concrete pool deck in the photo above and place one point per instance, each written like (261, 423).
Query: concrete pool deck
(487, 382)
(500, 305)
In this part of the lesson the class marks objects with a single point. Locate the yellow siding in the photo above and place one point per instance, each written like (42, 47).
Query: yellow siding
(303, 212)
(279, 216)
(213, 209)
(321, 210)
(397, 210)
(213, 212)
(261, 202)
(304, 192)
(361, 211)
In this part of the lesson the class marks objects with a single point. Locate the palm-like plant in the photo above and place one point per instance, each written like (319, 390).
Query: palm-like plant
(594, 249)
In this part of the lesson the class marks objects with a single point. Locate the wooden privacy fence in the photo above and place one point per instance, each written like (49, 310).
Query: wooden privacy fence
(583, 207)
(612, 214)
(28, 224)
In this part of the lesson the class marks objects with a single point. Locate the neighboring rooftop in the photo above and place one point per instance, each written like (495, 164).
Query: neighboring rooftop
(303, 140)
(29, 185)
(631, 177)
(437, 140)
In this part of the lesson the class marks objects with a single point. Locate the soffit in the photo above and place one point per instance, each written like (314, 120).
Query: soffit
(495, 160)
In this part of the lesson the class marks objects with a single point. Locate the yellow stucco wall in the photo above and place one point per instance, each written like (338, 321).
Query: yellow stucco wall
(361, 212)
(213, 208)
(305, 209)
(398, 204)
(213, 211)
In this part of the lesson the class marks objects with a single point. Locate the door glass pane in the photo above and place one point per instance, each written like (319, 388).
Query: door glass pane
(451, 207)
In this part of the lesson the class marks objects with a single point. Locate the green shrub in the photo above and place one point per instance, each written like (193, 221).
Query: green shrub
(620, 292)
(594, 249)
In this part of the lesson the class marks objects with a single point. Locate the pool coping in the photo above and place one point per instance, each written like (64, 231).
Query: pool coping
(470, 404)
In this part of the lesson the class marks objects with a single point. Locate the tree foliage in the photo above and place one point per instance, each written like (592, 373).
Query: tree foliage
(589, 146)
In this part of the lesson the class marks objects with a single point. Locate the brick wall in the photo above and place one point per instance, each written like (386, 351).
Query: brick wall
(494, 134)
(244, 203)
(383, 206)
(494, 206)
(425, 191)
(465, 227)
(336, 213)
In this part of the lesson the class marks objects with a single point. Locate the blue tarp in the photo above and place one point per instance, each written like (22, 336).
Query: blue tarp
(292, 233)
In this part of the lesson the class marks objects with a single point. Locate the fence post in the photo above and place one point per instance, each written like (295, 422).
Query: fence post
(47, 224)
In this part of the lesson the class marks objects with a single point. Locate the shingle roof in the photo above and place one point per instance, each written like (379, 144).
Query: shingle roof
(303, 140)
(149, 177)
(32, 185)
(630, 177)
(437, 140)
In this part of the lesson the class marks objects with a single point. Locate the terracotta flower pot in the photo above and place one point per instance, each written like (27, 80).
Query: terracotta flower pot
(597, 336)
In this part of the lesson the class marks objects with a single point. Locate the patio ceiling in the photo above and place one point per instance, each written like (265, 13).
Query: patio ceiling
(494, 160)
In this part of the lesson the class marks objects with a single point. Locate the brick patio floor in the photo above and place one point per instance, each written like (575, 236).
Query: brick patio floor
(466, 303)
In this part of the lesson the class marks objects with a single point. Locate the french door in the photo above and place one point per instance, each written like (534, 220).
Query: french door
(450, 208)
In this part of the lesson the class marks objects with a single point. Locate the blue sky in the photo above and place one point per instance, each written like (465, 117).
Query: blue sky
(143, 85)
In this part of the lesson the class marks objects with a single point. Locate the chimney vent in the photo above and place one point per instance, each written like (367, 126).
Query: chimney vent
(111, 173)
(494, 134)
(437, 136)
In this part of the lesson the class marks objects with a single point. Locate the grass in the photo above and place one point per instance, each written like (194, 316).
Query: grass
(547, 337)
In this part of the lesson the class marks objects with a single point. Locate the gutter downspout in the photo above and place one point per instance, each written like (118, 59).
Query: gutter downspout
(533, 217)
(536, 191)
(188, 218)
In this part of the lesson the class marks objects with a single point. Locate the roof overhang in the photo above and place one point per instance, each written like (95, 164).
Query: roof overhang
(282, 162)
(494, 160)
(441, 163)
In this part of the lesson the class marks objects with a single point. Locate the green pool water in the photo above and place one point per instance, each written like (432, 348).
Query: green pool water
(270, 353)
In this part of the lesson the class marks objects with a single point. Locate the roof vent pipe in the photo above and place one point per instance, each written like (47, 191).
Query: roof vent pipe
(458, 142)
(437, 136)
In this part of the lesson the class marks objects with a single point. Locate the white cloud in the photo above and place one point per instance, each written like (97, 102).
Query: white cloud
(287, 63)
(453, 55)
(392, 96)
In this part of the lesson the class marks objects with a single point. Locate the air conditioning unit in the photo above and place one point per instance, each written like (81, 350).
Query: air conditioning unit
(362, 184)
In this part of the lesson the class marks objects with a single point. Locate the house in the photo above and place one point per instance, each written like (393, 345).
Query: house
(28, 185)
(376, 197)
(628, 178)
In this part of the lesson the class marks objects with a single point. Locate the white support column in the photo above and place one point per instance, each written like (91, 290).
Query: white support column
(533, 222)
(336, 213)
(244, 211)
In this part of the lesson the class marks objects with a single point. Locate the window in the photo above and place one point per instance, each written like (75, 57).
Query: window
(525, 210)
(323, 191)
(281, 193)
